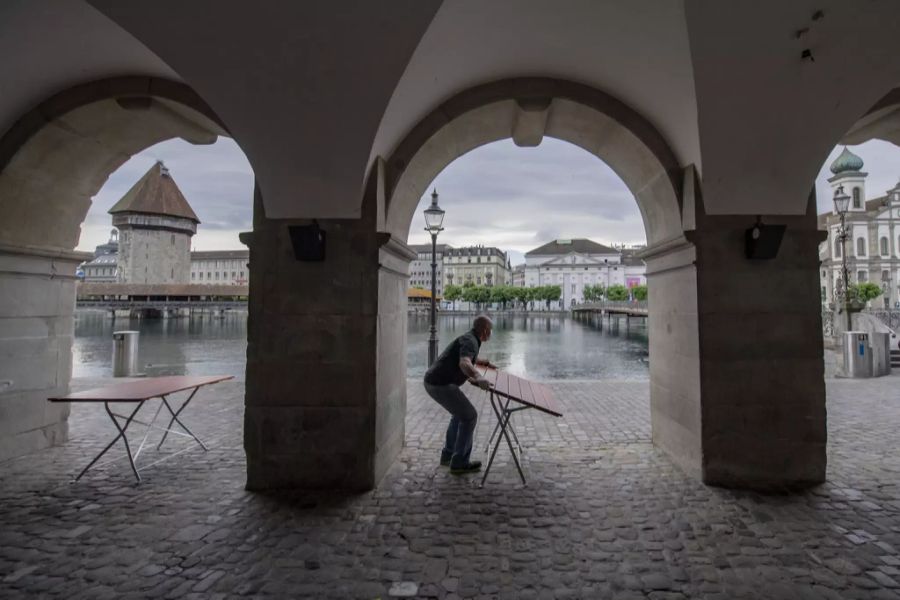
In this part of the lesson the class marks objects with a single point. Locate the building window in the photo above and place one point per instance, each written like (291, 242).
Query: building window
(884, 246)
(173, 239)
(208, 275)
(860, 276)
(201, 276)
(885, 275)
(217, 275)
(173, 273)
(857, 203)
(573, 288)
(860, 247)
(232, 274)
(837, 248)
(193, 275)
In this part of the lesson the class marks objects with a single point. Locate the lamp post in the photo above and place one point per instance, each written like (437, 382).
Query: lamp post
(434, 216)
(841, 204)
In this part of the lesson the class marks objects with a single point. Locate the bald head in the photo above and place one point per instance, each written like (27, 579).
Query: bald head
(483, 327)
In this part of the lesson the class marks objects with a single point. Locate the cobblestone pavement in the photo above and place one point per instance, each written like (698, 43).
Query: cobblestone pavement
(605, 515)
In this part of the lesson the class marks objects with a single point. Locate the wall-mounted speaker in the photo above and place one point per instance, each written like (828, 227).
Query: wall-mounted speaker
(308, 242)
(763, 241)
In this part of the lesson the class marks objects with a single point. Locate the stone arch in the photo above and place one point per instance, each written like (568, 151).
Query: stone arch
(526, 110)
(57, 157)
(53, 160)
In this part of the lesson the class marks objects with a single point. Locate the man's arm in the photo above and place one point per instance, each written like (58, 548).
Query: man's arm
(469, 370)
(485, 363)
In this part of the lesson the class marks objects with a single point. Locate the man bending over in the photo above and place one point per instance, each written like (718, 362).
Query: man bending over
(453, 367)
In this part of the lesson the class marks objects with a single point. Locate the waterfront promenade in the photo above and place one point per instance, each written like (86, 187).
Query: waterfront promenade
(605, 515)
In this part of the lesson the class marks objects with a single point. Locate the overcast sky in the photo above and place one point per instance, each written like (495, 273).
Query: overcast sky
(498, 195)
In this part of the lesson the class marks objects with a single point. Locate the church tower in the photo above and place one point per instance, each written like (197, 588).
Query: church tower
(847, 169)
(155, 224)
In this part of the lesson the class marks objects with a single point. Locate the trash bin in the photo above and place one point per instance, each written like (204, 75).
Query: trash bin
(125, 353)
(881, 353)
(857, 354)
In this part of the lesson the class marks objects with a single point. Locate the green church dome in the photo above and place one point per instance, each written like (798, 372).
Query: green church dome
(847, 161)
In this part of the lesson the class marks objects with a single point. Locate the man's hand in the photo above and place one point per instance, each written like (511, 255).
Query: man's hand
(482, 383)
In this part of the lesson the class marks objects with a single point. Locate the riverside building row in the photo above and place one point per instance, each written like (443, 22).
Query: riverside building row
(572, 264)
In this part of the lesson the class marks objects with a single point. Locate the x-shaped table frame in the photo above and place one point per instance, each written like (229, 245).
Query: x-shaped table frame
(129, 419)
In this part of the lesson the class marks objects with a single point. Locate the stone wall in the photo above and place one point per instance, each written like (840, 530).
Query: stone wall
(37, 302)
(154, 256)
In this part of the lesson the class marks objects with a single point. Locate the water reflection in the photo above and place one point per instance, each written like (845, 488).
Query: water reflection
(539, 347)
(544, 347)
(197, 346)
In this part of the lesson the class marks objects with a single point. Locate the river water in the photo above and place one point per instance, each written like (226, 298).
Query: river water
(537, 347)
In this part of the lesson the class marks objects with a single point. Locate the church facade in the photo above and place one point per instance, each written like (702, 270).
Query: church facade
(873, 246)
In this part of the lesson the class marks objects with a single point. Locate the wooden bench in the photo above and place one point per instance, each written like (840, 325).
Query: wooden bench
(138, 392)
(507, 388)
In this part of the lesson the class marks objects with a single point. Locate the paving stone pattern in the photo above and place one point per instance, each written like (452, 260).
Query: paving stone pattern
(605, 515)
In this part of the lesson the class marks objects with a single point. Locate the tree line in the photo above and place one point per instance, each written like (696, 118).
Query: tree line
(526, 297)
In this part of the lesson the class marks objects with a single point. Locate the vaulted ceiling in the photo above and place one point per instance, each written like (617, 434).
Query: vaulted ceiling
(313, 91)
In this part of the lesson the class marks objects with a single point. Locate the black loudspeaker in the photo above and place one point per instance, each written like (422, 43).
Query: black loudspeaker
(308, 242)
(763, 241)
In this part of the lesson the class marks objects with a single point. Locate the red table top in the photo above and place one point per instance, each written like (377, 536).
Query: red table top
(530, 393)
(142, 389)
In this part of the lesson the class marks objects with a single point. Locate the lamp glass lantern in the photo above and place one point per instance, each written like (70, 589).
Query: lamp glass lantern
(841, 201)
(434, 216)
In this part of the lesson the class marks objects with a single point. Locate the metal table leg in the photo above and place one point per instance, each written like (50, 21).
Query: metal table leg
(122, 435)
(503, 416)
(497, 427)
(175, 419)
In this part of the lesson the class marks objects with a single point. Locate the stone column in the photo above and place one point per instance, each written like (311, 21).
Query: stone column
(736, 368)
(762, 372)
(37, 303)
(326, 381)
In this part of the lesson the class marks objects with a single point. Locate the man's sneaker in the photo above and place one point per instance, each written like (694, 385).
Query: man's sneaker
(472, 467)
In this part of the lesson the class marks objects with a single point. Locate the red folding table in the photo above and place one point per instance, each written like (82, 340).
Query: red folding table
(138, 392)
(505, 389)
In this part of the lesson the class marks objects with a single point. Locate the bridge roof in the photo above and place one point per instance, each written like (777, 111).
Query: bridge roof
(172, 289)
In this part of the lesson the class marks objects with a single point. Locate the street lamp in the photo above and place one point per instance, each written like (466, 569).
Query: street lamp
(434, 216)
(841, 204)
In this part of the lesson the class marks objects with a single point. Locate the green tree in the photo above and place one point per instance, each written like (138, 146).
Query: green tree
(864, 291)
(477, 294)
(502, 294)
(521, 295)
(617, 293)
(593, 293)
(639, 292)
(453, 293)
(550, 293)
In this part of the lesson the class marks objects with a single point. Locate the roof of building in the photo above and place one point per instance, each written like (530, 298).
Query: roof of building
(103, 260)
(630, 257)
(580, 245)
(157, 194)
(846, 161)
(219, 254)
(476, 251)
(419, 248)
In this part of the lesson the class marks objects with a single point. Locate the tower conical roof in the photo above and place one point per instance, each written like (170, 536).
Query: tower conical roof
(846, 161)
(157, 194)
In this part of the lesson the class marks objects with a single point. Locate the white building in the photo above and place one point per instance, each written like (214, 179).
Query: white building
(420, 267)
(574, 264)
(220, 267)
(873, 247)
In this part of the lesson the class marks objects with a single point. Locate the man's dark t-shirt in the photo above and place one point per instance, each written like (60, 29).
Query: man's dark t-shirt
(445, 370)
